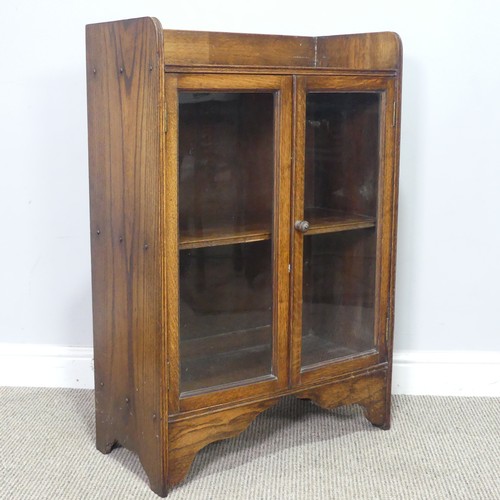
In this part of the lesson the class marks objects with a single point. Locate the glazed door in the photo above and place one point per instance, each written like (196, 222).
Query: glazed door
(343, 191)
(229, 149)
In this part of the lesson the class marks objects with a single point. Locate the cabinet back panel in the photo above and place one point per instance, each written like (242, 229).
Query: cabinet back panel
(338, 295)
(226, 158)
(342, 152)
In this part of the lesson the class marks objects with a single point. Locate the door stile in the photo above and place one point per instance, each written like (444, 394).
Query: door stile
(385, 225)
(297, 239)
(171, 242)
(281, 222)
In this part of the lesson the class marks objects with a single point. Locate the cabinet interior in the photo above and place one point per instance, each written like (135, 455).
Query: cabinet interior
(226, 166)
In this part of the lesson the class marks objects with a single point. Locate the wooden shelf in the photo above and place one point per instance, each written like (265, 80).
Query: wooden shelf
(232, 357)
(315, 349)
(321, 220)
(324, 220)
(211, 237)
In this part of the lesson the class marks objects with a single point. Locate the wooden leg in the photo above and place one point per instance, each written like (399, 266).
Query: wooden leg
(103, 439)
(367, 390)
(187, 436)
(378, 412)
(157, 480)
(106, 441)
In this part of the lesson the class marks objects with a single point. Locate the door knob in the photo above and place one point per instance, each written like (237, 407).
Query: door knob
(302, 226)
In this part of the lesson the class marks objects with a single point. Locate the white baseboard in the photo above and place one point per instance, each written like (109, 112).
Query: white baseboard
(447, 373)
(437, 373)
(43, 365)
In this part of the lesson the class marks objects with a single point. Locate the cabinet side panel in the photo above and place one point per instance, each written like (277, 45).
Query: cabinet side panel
(125, 116)
(394, 229)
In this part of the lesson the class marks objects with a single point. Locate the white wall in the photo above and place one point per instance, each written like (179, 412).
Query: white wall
(448, 282)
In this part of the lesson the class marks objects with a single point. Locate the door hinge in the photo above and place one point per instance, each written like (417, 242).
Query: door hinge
(289, 268)
(394, 114)
(387, 325)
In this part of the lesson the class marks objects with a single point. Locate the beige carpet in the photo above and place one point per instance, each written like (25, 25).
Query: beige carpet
(438, 448)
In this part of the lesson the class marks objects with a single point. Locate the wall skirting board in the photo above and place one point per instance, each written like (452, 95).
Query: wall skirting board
(447, 373)
(43, 365)
(439, 373)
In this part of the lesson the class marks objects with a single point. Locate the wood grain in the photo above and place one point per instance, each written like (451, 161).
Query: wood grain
(125, 113)
(389, 230)
(393, 230)
(360, 51)
(383, 217)
(282, 223)
(331, 221)
(212, 48)
(281, 87)
(297, 239)
(222, 236)
(190, 435)
(367, 51)
(278, 70)
(133, 125)
(171, 202)
(367, 390)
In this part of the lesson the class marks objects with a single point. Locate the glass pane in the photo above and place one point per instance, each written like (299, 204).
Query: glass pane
(342, 155)
(338, 295)
(226, 183)
(340, 203)
(225, 314)
(226, 159)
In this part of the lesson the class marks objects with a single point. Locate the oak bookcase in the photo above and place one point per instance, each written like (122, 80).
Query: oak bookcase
(243, 195)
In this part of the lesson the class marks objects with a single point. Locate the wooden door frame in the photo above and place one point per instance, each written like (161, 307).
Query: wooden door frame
(386, 87)
(282, 88)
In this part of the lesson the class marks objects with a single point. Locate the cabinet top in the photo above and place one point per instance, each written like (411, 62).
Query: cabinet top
(359, 52)
(368, 51)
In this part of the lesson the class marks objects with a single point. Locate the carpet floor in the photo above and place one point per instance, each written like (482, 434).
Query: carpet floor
(438, 448)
